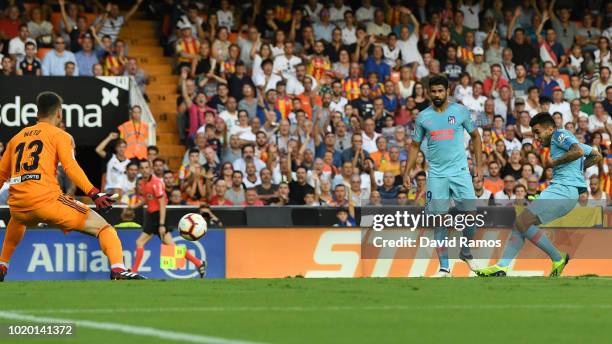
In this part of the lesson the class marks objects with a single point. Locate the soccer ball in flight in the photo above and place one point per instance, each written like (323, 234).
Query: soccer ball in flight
(192, 227)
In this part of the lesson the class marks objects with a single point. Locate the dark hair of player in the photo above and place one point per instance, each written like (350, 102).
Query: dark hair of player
(543, 118)
(48, 103)
(438, 80)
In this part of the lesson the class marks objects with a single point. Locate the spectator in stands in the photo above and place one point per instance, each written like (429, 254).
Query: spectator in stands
(219, 194)
(136, 133)
(16, 48)
(7, 66)
(236, 193)
(194, 184)
(298, 188)
(187, 47)
(247, 155)
(70, 68)
(98, 70)
(550, 49)
(209, 216)
(86, 58)
(127, 220)
(493, 182)
(596, 195)
(506, 195)
(599, 86)
(127, 191)
(9, 24)
(251, 199)
(495, 82)
(175, 197)
(483, 195)
(55, 61)
(111, 22)
(29, 65)
(40, 29)
(140, 76)
(116, 165)
(159, 166)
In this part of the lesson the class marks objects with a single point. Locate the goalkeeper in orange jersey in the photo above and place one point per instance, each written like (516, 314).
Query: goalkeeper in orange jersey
(30, 164)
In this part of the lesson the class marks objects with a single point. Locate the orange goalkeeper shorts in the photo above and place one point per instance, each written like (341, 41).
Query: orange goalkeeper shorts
(65, 212)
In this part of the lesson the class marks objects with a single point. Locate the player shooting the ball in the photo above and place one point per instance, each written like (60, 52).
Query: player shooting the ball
(30, 165)
(569, 159)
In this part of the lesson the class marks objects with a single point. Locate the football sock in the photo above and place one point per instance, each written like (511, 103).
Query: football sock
(441, 233)
(111, 246)
(514, 245)
(14, 234)
(193, 259)
(541, 240)
(468, 232)
(139, 254)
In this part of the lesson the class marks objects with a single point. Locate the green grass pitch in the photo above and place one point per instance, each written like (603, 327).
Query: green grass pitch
(460, 310)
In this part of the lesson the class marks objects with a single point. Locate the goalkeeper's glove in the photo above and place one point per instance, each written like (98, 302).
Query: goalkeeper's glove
(104, 202)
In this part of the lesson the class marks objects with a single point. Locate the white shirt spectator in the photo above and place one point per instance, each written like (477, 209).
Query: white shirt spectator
(295, 87)
(410, 51)
(240, 165)
(230, 119)
(501, 108)
(115, 172)
(474, 104)
(17, 47)
(501, 198)
(225, 18)
(311, 14)
(603, 201)
(596, 123)
(127, 188)
(250, 184)
(598, 89)
(391, 55)
(260, 81)
(512, 145)
(338, 105)
(463, 92)
(365, 15)
(111, 26)
(470, 15)
(486, 195)
(336, 15)
(286, 65)
(378, 30)
(349, 36)
(369, 144)
(564, 109)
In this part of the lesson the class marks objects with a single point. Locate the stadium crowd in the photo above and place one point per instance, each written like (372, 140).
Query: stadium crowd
(314, 103)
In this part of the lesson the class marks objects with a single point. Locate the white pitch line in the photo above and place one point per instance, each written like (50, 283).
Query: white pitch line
(309, 308)
(129, 329)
